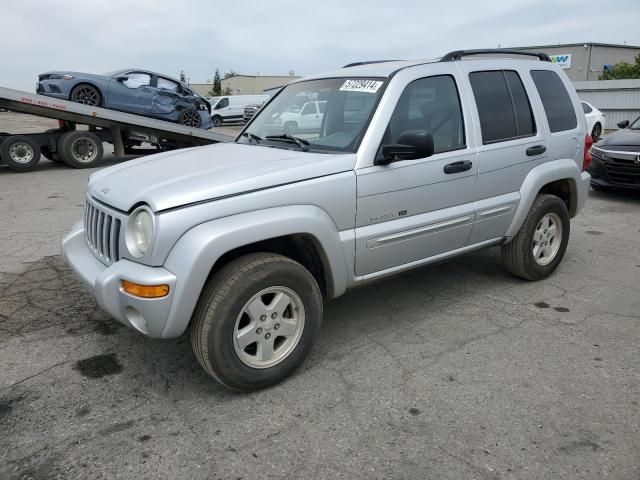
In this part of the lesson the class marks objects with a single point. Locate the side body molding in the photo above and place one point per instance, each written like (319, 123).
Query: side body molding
(195, 253)
(538, 177)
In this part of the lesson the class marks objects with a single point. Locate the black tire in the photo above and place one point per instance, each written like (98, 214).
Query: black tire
(86, 94)
(20, 152)
(80, 149)
(596, 133)
(217, 120)
(518, 255)
(219, 309)
(290, 127)
(190, 117)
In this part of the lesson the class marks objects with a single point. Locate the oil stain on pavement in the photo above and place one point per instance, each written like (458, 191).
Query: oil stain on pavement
(99, 366)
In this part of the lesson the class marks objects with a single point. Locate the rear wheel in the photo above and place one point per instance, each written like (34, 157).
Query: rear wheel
(190, 118)
(86, 94)
(20, 152)
(596, 133)
(256, 321)
(290, 127)
(217, 120)
(80, 149)
(538, 248)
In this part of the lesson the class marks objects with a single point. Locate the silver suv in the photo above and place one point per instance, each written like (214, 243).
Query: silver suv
(412, 162)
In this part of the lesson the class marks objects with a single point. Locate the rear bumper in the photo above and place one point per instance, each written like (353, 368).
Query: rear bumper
(148, 316)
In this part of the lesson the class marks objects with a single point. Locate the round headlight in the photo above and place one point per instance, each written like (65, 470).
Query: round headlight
(140, 232)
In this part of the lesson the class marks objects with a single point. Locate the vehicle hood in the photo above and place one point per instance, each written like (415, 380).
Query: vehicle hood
(181, 177)
(44, 76)
(622, 138)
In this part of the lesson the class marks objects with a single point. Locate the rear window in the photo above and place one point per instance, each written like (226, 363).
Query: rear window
(586, 108)
(555, 99)
(503, 105)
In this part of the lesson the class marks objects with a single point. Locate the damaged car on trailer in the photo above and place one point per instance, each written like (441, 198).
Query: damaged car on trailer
(140, 92)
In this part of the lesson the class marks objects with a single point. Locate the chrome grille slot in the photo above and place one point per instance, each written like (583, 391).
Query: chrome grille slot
(102, 233)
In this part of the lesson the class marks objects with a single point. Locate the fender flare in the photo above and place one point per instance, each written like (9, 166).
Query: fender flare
(537, 178)
(196, 252)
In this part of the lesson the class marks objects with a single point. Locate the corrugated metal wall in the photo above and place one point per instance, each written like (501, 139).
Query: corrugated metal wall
(618, 99)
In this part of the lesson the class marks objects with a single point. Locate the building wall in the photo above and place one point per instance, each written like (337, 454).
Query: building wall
(617, 99)
(588, 60)
(255, 85)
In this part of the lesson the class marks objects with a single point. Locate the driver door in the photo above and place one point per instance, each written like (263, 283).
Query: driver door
(411, 210)
(133, 95)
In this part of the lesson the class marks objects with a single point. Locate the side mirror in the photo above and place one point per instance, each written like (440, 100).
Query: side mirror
(122, 78)
(411, 144)
(623, 124)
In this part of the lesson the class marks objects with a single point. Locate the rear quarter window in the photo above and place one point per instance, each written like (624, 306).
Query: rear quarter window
(555, 100)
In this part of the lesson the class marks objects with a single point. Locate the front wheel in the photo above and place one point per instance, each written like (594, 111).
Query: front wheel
(596, 133)
(256, 321)
(217, 120)
(87, 95)
(538, 248)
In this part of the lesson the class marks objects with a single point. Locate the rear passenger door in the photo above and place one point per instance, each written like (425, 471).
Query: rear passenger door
(510, 143)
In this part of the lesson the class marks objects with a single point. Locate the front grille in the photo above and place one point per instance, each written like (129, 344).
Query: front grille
(621, 170)
(102, 232)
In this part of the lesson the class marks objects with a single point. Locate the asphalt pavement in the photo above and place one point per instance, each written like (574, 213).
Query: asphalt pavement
(456, 371)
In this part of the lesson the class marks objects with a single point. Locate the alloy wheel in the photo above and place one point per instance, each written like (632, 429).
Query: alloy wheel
(547, 239)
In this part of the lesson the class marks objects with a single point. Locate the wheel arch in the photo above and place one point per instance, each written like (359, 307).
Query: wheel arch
(559, 177)
(304, 233)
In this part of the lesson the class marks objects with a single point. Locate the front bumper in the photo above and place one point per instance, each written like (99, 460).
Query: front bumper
(148, 316)
(615, 172)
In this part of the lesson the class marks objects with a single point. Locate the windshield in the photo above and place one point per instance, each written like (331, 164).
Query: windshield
(324, 115)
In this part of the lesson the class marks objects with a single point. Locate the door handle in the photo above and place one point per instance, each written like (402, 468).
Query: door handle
(457, 167)
(536, 150)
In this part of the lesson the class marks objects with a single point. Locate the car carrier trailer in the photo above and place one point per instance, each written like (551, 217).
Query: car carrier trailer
(81, 148)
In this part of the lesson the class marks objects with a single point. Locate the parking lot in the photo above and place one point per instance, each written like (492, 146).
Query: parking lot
(454, 371)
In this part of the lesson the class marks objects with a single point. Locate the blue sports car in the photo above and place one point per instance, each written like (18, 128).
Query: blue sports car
(132, 91)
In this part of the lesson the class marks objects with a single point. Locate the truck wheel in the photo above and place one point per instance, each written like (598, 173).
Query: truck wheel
(537, 250)
(20, 152)
(80, 149)
(86, 94)
(256, 321)
(217, 120)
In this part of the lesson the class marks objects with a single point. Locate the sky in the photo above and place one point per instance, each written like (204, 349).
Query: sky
(277, 36)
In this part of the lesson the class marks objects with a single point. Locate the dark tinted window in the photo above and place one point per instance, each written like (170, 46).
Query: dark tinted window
(503, 105)
(555, 99)
(430, 104)
(586, 108)
(222, 104)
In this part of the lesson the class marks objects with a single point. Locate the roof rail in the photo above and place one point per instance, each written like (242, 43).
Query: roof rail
(458, 54)
(357, 64)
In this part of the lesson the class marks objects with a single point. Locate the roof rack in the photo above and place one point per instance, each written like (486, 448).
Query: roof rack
(458, 54)
(357, 64)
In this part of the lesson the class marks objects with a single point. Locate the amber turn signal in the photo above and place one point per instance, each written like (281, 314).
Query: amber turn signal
(145, 291)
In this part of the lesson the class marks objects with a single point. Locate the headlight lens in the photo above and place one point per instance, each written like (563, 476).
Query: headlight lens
(140, 232)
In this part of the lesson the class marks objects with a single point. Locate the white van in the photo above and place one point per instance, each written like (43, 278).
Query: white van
(231, 108)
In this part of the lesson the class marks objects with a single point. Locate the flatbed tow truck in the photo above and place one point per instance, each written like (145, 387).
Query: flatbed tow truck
(82, 148)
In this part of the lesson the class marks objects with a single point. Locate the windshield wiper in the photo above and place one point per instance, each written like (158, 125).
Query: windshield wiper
(285, 137)
(252, 136)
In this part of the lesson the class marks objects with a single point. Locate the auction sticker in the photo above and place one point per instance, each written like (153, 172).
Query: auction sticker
(367, 86)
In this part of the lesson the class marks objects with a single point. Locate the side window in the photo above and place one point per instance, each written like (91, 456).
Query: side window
(503, 106)
(309, 109)
(164, 84)
(555, 100)
(136, 80)
(223, 103)
(431, 104)
(586, 108)
(322, 106)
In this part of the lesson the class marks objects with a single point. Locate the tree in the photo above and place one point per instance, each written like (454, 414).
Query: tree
(230, 74)
(217, 85)
(622, 70)
(228, 91)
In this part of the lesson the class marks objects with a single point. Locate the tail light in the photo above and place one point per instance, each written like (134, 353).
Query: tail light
(61, 124)
(586, 160)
